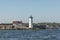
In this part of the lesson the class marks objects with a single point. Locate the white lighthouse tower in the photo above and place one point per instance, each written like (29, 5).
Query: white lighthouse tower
(30, 22)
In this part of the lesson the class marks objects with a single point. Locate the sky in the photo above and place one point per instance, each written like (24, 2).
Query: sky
(41, 10)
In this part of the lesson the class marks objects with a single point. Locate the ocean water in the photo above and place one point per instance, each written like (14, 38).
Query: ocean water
(46, 34)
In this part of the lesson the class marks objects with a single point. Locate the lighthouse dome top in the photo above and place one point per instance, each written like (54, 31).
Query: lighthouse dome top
(31, 16)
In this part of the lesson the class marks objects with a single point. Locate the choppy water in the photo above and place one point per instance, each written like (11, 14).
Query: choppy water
(53, 34)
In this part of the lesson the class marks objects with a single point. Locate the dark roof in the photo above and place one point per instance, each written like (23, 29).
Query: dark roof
(31, 16)
(17, 21)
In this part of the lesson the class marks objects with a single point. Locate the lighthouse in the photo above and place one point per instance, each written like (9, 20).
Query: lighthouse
(30, 22)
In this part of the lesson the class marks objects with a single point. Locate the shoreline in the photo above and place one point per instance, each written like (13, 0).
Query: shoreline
(28, 29)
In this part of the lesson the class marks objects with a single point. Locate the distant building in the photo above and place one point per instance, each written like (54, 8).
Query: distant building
(13, 25)
(6, 26)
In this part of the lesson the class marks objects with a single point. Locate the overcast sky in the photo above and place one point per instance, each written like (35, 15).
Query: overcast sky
(41, 10)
